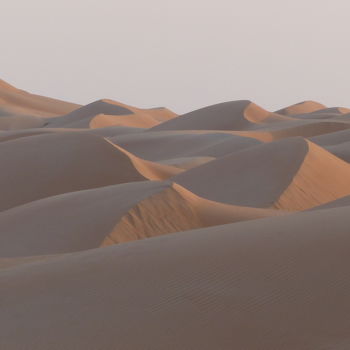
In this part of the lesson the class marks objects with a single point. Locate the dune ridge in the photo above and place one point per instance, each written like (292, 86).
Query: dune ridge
(19, 102)
(131, 228)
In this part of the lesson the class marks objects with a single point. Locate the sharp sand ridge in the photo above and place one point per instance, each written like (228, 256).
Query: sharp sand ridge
(130, 228)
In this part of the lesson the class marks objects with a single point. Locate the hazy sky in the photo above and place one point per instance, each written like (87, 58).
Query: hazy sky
(182, 54)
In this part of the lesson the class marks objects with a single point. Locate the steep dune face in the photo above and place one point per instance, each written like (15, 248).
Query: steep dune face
(82, 117)
(253, 177)
(142, 118)
(150, 170)
(69, 222)
(291, 174)
(18, 102)
(302, 108)
(181, 210)
(103, 216)
(235, 115)
(105, 113)
(321, 178)
(233, 282)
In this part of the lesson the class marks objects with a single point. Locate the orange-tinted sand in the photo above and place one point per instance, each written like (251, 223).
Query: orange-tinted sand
(128, 228)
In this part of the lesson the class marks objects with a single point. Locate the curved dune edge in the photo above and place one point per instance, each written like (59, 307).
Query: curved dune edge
(254, 177)
(233, 115)
(63, 162)
(258, 115)
(292, 174)
(176, 209)
(141, 118)
(19, 102)
(134, 120)
(69, 222)
(160, 114)
(106, 113)
(81, 220)
(150, 170)
(302, 108)
(322, 178)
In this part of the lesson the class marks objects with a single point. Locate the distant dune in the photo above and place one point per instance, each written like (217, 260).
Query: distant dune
(128, 228)
(17, 102)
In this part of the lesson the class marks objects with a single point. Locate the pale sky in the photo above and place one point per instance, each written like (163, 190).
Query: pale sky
(183, 54)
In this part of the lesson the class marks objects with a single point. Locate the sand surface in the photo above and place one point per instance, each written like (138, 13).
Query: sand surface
(131, 228)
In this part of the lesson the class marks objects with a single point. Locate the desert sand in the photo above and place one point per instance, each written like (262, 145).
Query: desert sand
(137, 228)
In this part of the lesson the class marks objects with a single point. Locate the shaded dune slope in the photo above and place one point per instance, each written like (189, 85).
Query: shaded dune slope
(291, 174)
(35, 167)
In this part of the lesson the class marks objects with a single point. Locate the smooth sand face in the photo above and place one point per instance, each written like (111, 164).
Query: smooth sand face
(18, 102)
(126, 228)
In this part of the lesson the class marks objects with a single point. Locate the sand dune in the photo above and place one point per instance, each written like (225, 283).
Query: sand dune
(71, 221)
(109, 215)
(216, 288)
(40, 166)
(302, 108)
(303, 128)
(104, 113)
(183, 211)
(163, 145)
(18, 102)
(235, 115)
(129, 228)
(142, 118)
(292, 174)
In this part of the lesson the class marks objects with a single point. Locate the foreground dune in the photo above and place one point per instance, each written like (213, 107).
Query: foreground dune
(129, 228)
(216, 288)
